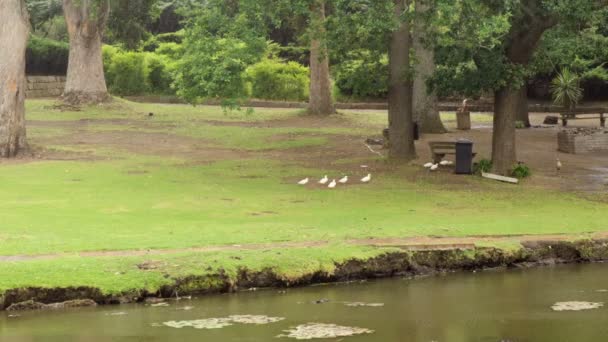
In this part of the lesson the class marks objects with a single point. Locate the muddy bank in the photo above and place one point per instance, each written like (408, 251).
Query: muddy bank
(391, 264)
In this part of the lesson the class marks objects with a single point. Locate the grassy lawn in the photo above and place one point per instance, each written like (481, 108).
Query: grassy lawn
(113, 178)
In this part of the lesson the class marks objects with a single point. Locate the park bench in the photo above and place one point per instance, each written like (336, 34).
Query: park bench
(584, 113)
(440, 149)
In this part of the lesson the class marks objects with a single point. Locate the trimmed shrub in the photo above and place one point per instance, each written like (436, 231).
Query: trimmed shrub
(128, 72)
(159, 75)
(360, 79)
(46, 56)
(272, 79)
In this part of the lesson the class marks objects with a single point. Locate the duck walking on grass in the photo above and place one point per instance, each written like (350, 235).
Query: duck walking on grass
(304, 181)
(332, 184)
(343, 180)
(324, 180)
(367, 178)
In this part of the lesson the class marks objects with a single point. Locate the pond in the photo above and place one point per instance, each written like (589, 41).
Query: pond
(514, 305)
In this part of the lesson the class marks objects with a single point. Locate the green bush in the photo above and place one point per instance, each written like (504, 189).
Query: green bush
(46, 56)
(273, 79)
(521, 171)
(360, 79)
(128, 71)
(159, 77)
(483, 166)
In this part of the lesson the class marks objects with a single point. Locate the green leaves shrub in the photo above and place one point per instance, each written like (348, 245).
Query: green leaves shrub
(273, 79)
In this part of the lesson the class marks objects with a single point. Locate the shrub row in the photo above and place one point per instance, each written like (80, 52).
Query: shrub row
(46, 56)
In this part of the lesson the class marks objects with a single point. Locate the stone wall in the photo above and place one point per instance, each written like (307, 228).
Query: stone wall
(582, 140)
(45, 86)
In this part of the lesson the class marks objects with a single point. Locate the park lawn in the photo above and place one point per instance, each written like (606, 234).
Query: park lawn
(107, 197)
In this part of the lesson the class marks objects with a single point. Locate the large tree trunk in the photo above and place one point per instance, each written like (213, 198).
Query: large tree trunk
(522, 110)
(523, 39)
(320, 102)
(86, 20)
(506, 104)
(14, 31)
(400, 91)
(426, 111)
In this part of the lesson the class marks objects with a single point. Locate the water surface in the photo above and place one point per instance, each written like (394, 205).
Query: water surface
(485, 306)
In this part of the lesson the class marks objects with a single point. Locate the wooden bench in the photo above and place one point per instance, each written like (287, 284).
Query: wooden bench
(440, 149)
(576, 114)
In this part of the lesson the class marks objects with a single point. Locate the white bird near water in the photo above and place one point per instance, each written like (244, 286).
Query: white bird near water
(324, 180)
(367, 178)
(304, 181)
(332, 184)
(343, 180)
(428, 165)
(446, 163)
(434, 167)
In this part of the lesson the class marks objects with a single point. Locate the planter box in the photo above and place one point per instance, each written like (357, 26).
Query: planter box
(582, 140)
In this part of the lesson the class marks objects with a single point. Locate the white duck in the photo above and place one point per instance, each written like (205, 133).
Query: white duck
(343, 180)
(434, 167)
(446, 163)
(304, 181)
(332, 184)
(324, 180)
(367, 178)
(428, 165)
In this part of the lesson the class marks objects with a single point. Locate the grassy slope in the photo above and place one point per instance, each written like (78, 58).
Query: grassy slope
(70, 206)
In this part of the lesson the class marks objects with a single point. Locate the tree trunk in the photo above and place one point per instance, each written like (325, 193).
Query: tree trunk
(426, 111)
(400, 92)
(86, 20)
(522, 111)
(522, 41)
(320, 102)
(506, 104)
(14, 31)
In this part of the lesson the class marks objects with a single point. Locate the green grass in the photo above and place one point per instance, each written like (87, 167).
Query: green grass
(130, 201)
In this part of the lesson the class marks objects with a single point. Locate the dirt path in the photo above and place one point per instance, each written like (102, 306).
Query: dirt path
(410, 243)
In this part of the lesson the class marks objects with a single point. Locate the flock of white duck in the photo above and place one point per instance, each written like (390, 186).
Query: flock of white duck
(334, 183)
(435, 166)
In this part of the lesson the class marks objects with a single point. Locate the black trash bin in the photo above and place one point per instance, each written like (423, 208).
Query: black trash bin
(464, 157)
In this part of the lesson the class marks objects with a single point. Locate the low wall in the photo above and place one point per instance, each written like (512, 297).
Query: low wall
(44, 86)
(582, 140)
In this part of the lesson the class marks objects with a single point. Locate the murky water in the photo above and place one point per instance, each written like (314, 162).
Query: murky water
(485, 306)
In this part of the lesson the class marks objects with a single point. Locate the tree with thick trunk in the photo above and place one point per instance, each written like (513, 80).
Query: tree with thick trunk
(523, 38)
(400, 89)
(320, 101)
(426, 111)
(14, 31)
(86, 21)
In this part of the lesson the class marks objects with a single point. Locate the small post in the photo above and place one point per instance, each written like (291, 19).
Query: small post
(463, 117)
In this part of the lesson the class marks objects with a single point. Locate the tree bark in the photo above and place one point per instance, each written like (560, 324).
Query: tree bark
(522, 110)
(400, 91)
(14, 31)
(526, 31)
(320, 101)
(86, 20)
(426, 111)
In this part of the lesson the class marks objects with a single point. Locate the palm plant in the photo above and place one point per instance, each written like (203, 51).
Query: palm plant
(565, 89)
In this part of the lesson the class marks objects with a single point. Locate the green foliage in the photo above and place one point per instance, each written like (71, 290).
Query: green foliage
(46, 56)
(520, 124)
(128, 70)
(362, 78)
(521, 171)
(221, 42)
(483, 166)
(565, 89)
(274, 79)
(160, 73)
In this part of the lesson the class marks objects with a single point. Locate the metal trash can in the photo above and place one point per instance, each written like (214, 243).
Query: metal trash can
(464, 157)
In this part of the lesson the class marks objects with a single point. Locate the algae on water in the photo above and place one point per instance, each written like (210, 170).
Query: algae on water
(319, 330)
